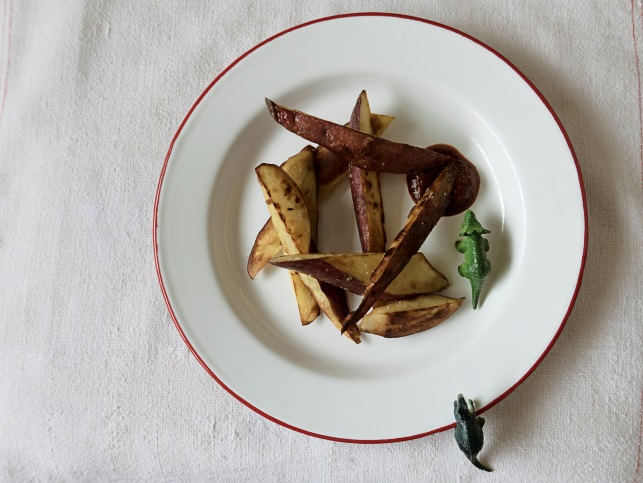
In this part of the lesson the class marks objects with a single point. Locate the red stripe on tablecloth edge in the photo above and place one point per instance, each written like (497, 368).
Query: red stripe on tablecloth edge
(162, 175)
(640, 108)
(8, 65)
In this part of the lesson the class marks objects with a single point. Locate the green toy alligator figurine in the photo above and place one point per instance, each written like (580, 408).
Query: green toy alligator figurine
(468, 430)
(476, 267)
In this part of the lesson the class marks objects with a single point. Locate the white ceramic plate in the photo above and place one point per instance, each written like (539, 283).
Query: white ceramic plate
(443, 86)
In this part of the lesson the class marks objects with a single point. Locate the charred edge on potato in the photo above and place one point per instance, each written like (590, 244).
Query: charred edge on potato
(329, 170)
(324, 271)
(365, 188)
(376, 154)
(364, 150)
(408, 322)
(421, 221)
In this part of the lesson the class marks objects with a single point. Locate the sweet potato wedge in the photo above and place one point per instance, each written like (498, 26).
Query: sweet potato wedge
(300, 168)
(465, 188)
(406, 317)
(292, 213)
(306, 303)
(289, 215)
(364, 150)
(332, 301)
(423, 217)
(287, 207)
(352, 272)
(365, 188)
(329, 170)
(266, 246)
(376, 154)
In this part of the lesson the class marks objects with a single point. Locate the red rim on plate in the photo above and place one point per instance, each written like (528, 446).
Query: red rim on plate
(223, 73)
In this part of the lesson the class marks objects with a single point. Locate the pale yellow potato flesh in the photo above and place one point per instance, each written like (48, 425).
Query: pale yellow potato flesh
(267, 243)
(289, 216)
(406, 317)
(306, 303)
(285, 199)
(354, 271)
(300, 168)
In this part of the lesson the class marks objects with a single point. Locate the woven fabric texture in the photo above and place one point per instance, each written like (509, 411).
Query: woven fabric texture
(95, 382)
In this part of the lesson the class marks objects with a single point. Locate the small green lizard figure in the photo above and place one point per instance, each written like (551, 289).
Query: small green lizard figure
(476, 267)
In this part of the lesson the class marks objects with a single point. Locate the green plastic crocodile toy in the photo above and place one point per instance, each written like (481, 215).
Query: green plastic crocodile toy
(476, 267)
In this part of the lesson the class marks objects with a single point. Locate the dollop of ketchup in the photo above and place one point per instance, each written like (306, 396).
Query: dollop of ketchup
(465, 188)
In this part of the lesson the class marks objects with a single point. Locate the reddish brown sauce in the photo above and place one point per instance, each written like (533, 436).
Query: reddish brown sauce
(467, 182)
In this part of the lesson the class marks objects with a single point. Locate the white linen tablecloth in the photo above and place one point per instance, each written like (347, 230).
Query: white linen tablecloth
(95, 381)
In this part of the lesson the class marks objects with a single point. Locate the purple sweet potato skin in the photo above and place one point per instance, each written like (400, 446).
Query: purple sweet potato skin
(355, 147)
(465, 188)
(425, 215)
(376, 154)
(366, 192)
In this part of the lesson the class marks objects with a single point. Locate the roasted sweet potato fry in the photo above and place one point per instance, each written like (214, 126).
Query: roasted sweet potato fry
(288, 210)
(281, 194)
(332, 301)
(422, 219)
(364, 150)
(302, 171)
(406, 317)
(300, 168)
(329, 170)
(376, 154)
(352, 272)
(306, 303)
(289, 215)
(465, 188)
(365, 188)
(266, 246)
